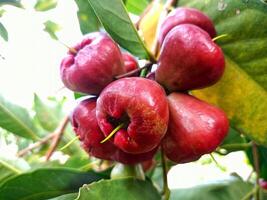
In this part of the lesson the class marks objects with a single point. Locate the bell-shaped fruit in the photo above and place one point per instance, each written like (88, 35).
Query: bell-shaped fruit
(195, 128)
(92, 64)
(140, 105)
(130, 63)
(85, 125)
(189, 59)
(185, 15)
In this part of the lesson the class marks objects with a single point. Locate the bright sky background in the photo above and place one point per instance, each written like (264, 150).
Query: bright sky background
(31, 65)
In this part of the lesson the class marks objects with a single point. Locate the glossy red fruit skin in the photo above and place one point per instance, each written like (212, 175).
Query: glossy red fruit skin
(97, 61)
(189, 60)
(129, 62)
(185, 15)
(195, 128)
(84, 122)
(141, 105)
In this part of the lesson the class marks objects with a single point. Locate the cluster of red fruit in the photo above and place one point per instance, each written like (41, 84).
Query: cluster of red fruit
(137, 109)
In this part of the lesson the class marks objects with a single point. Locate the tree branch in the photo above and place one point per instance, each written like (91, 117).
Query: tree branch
(58, 134)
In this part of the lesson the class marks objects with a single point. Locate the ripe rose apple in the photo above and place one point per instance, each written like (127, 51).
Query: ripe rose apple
(85, 125)
(184, 15)
(195, 128)
(129, 62)
(141, 106)
(94, 65)
(189, 59)
(263, 184)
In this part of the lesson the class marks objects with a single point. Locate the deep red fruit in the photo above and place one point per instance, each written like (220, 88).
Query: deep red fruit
(85, 125)
(186, 16)
(189, 59)
(141, 105)
(129, 62)
(195, 128)
(97, 61)
(263, 184)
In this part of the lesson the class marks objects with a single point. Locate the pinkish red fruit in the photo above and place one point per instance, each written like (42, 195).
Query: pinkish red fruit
(93, 66)
(195, 128)
(141, 105)
(129, 62)
(184, 15)
(189, 59)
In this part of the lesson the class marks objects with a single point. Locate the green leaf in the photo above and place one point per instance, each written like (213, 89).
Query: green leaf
(46, 183)
(16, 3)
(136, 6)
(16, 119)
(66, 197)
(87, 18)
(230, 189)
(3, 32)
(78, 95)
(48, 117)
(117, 23)
(2, 11)
(44, 5)
(241, 92)
(119, 189)
(51, 28)
(10, 166)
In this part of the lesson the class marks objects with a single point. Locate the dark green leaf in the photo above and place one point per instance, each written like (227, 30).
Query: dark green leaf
(16, 120)
(233, 137)
(51, 28)
(66, 197)
(48, 117)
(136, 6)
(119, 189)
(16, 3)
(3, 32)
(87, 18)
(45, 183)
(241, 92)
(117, 23)
(44, 5)
(230, 189)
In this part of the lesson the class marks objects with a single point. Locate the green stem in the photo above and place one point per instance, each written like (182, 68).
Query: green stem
(250, 193)
(10, 167)
(166, 190)
(236, 147)
(112, 133)
(219, 37)
(256, 167)
(69, 143)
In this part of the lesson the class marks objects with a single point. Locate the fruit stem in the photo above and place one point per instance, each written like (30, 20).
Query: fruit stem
(112, 133)
(219, 37)
(72, 50)
(236, 147)
(257, 169)
(147, 65)
(166, 190)
(69, 143)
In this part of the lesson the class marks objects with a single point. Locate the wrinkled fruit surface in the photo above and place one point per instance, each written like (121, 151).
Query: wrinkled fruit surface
(195, 128)
(93, 66)
(141, 105)
(189, 59)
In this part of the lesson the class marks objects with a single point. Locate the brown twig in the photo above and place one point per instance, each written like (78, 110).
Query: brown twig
(35, 145)
(130, 73)
(164, 13)
(58, 134)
